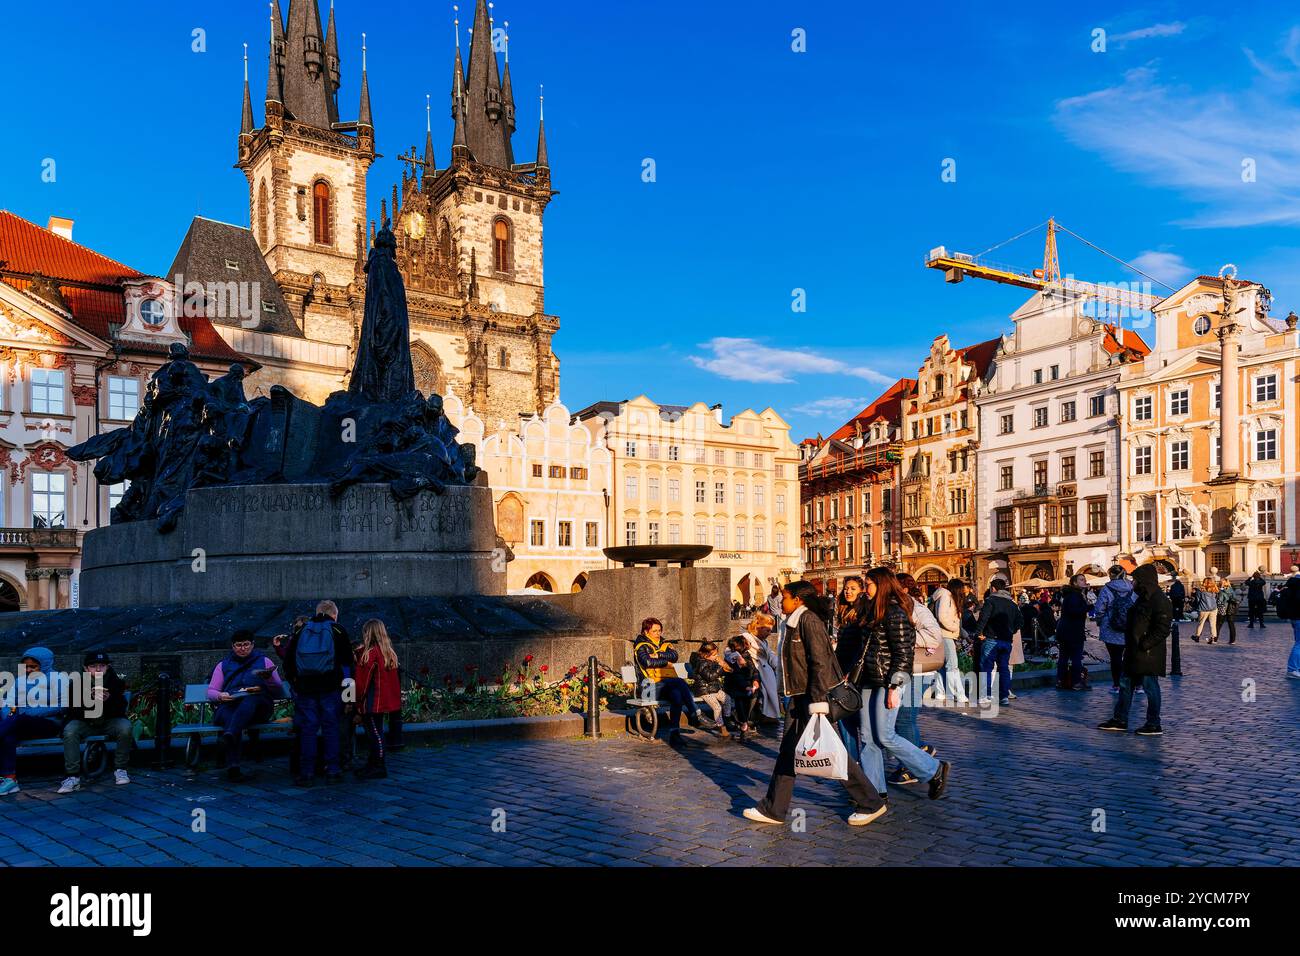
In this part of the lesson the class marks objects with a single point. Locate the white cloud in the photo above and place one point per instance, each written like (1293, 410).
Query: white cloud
(836, 406)
(748, 360)
(1168, 267)
(1146, 33)
(1197, 143)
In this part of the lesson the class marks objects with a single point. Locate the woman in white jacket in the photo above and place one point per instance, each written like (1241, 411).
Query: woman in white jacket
(946, 604)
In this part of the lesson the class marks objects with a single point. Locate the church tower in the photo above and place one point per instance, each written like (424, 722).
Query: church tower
(306, 174)
(470, 245)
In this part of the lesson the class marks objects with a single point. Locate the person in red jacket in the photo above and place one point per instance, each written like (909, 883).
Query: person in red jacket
(379, 692)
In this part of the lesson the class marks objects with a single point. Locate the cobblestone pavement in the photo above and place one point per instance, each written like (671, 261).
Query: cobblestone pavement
(1027, 787)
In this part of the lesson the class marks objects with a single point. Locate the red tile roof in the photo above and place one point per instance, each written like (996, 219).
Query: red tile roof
(887, 406)
(27, 249)
(980, 356)
(1131, 341)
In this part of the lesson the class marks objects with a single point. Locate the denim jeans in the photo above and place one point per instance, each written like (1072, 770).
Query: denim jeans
(1149, 684)
(317, 712)
(234, 715)
(677, 693)
(996, 653)
(17, 727)
(1293, 662)
(877, 734)
(909, 710)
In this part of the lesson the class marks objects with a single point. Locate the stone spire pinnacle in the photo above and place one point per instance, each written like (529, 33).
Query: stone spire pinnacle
(332, 65)
(459, 147)
(274, 90)
(430, 164)
(486, 131)
(508, 96)
(363, 114)
(305, 81)
(542, 161)
(246, 121)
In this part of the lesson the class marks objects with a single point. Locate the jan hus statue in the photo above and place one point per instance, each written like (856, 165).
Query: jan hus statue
(383, 371)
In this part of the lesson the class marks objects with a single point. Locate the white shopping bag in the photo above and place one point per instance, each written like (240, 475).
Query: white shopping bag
(820, 752)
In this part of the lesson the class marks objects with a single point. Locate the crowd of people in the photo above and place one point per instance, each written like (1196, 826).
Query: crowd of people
(901, 648)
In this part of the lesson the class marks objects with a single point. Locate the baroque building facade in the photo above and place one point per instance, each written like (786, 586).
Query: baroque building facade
(1048, 468)
(681, 475)
(470, 233)
(1209, 436)
(549, 477)
(940, 438)
(80, 336)
(849, 493)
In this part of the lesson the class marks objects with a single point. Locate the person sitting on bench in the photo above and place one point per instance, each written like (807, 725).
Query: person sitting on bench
(29, 711)
(655, 658)
(244, 687)
(104, 712)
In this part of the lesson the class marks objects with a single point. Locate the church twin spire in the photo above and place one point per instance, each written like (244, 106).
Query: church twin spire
(304, 74)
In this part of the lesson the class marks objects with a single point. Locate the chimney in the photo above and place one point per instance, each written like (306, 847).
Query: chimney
(717, 413)
(60, 226)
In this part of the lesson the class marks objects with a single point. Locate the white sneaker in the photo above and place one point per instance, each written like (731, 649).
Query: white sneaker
(986, 701)
(1295, 674)
(121, 777)
(862, 819)
(753, 813)
(70, 785)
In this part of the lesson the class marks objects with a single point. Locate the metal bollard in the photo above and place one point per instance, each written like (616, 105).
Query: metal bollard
(591, 725)
(162, 717)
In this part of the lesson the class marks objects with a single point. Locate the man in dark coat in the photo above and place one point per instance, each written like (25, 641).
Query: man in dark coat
(1145, 640)
(1178, 597)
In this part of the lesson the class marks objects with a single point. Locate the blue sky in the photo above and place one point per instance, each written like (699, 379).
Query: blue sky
(775, 170)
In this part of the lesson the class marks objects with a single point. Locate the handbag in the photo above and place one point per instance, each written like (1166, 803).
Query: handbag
(844, 698)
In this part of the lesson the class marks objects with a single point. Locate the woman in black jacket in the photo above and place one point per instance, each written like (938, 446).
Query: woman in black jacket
(742, 684)
(808, 671)
(848, 648)
(889, 643)
(1070, 637)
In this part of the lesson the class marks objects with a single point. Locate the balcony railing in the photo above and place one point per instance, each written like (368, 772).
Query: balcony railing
(38, 538)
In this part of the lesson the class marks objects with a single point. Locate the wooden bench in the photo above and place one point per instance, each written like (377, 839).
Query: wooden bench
(94, 752)
(197, 694)
(646, 708)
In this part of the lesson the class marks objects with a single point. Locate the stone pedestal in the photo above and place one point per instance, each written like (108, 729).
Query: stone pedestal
(293, 541)
(693, 603)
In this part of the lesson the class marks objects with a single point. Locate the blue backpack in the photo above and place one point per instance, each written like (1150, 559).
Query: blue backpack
(1117, 616)
(315, 651)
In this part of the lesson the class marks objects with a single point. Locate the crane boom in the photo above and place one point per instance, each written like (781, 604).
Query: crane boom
(957, 265)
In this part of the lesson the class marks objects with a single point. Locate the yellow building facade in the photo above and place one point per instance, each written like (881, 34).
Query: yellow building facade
(1208, 433)
(683, 476)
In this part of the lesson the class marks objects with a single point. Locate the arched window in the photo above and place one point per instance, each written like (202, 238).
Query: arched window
(320, 202)
(505, 358)
(501, 245)
(261, 215)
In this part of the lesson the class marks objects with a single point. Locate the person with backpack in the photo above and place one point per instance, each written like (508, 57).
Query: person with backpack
(244, 687)
(103, 713)
(317, 661)
(1145, 636)
(1256, 599)
(379, 692)
(1288, 609)
(1111, 614)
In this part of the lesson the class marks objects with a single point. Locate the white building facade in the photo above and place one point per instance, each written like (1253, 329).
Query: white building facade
(1048, 466)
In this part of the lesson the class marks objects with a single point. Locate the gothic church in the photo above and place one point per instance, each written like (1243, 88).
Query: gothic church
(469, 234)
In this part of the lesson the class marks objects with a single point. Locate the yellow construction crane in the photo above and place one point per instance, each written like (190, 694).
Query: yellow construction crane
(1123, 298)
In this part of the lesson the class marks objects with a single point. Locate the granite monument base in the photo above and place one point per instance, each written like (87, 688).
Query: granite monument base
(693, 603)
(287, 542)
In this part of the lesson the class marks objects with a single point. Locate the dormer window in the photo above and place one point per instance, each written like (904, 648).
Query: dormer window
(268, 306)
(152, 313)
(232, 265)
